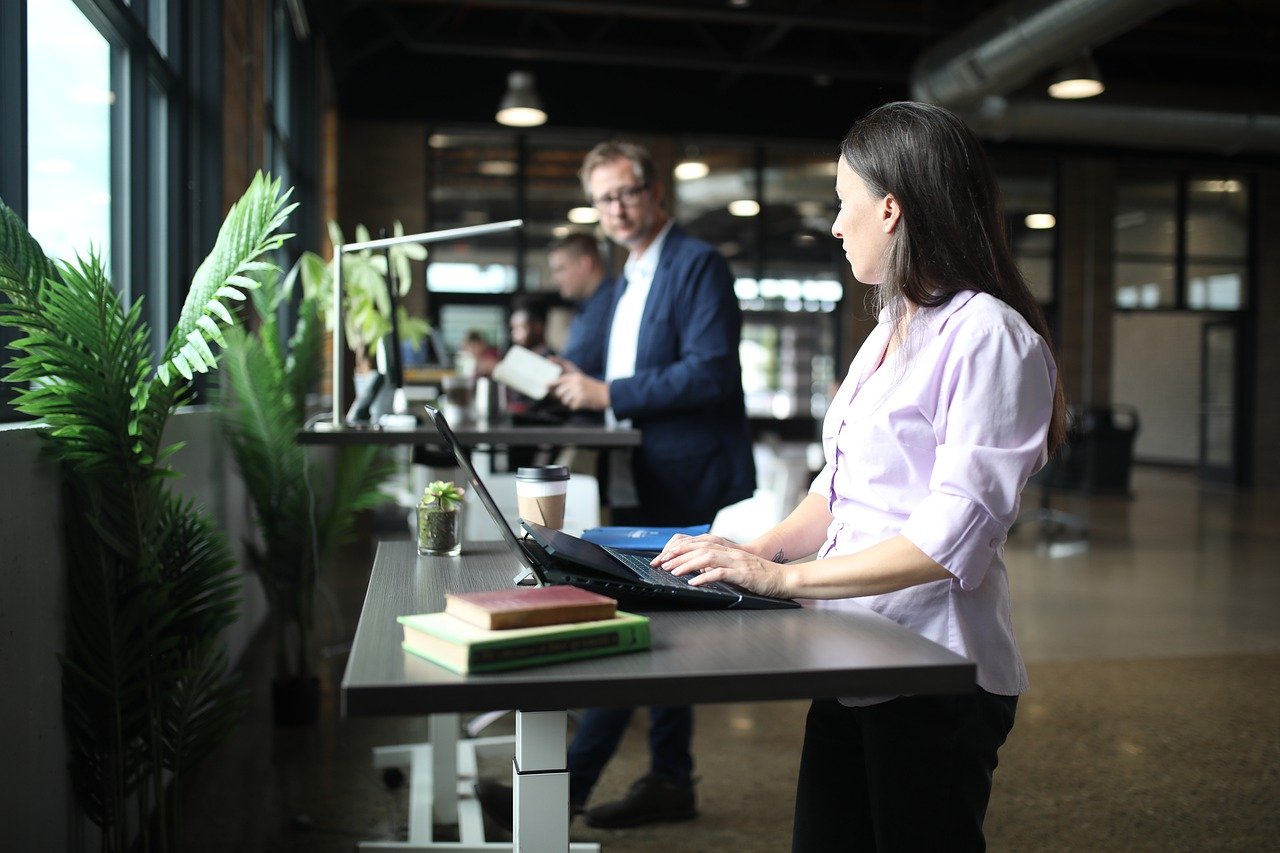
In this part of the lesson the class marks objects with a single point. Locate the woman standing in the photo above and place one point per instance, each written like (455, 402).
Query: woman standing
(949, 406)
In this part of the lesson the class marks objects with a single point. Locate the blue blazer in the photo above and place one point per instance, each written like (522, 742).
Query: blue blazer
(686, 394)
(590, 323)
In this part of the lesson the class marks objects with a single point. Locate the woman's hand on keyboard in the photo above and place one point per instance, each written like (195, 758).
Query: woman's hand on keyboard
(708, 558)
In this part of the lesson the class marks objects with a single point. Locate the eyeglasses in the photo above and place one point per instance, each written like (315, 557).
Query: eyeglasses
(628, 196)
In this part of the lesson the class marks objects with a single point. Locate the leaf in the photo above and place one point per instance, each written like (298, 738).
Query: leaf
(247, 234)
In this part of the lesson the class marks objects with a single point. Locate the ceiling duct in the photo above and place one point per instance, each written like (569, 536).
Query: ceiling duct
(1147, 127)
(1004, 49)
(1008, 46)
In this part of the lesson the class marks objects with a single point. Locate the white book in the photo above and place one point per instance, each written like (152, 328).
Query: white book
(525, 371)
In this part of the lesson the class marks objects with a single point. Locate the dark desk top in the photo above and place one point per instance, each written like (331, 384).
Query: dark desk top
(562, 435)
(696, 656)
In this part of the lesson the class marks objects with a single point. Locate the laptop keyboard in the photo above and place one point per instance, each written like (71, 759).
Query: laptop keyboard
(658, 577)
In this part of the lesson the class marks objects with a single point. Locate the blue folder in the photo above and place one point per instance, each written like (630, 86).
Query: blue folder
(640, 540)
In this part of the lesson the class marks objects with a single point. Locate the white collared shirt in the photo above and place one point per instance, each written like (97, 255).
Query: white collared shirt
(624, 334)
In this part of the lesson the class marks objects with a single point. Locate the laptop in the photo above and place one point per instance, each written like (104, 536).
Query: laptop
(554, 557)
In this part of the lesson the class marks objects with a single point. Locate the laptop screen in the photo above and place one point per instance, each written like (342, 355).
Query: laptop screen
(464, 462)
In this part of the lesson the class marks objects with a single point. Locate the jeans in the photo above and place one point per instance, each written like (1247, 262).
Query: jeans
(913, 773)
(601, 729)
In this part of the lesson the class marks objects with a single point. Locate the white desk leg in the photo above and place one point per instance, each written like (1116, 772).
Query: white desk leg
(442, 731)
(541, 782)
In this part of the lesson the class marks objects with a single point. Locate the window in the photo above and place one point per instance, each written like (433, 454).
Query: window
(769, 210)
(1181, 241)
(473, 180)
(71, 99)
(722, 206)
(1146, 240)
(1217, 226)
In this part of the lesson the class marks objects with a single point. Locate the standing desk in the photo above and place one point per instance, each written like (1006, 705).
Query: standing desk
(499, 432)
(696, 656)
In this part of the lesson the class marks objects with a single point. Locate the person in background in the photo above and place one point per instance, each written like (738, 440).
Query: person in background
(528, 324)
(951, 404)
(481, 354)
(666, 361)
(577, 271)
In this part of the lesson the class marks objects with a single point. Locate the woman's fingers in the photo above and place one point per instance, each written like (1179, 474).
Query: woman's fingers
(681, 543)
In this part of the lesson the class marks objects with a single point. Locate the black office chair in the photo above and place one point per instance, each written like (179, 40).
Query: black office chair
(1063, 473)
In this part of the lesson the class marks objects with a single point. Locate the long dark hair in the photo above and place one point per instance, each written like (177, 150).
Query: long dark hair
(951, 235)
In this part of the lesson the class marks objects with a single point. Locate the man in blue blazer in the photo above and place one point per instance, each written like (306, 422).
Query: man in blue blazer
(667, 362)
(666, 359)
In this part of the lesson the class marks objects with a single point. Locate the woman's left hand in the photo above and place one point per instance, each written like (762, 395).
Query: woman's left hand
(709, 561)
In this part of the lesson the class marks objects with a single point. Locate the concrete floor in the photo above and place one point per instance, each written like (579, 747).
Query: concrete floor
(1153, 721)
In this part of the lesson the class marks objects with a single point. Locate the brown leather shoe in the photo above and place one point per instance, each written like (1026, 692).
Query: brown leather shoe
(649, 800)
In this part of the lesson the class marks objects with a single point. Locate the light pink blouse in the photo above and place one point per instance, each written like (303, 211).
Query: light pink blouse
(936, 444)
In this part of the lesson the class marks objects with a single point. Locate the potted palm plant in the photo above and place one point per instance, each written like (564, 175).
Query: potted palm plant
(368, 278)
(146, 686)
(302, 512)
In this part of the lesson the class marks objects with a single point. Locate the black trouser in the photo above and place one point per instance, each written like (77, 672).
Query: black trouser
(910, 774)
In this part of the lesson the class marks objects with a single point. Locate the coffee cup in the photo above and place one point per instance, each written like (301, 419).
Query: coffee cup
(540, 494)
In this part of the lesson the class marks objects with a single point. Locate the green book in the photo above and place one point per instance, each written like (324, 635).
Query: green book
(464, 648)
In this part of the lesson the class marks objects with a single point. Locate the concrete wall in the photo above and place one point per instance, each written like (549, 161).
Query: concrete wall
(37, 809)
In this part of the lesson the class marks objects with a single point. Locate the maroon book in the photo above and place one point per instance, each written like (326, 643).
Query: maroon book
(528, 607)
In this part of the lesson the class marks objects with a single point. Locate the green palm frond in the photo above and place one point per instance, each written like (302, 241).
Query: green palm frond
(359, 473)
(231, 269)
(24, 267)
(84, 358)
(200, 701)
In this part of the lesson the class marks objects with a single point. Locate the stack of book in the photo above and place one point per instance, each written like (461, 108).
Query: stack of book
(524, 626)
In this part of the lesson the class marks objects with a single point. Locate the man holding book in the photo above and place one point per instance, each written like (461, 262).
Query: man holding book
(666, 361)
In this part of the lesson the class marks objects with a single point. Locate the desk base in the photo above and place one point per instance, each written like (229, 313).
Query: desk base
(441, 775)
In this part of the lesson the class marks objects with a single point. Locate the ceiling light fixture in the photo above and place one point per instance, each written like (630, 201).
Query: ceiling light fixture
(744, 207)
(584, 215)
(1040, 221)
(521, 106)
(1079, 78)
(691, 170)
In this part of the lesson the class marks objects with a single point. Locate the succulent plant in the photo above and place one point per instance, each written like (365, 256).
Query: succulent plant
(445, 494)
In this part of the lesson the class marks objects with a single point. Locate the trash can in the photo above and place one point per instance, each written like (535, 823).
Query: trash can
(1108, 433)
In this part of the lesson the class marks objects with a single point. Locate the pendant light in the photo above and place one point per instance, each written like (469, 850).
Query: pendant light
(521, 106)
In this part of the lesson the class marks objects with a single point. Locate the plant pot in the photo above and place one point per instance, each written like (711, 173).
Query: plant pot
(295, 701)
(439, 531)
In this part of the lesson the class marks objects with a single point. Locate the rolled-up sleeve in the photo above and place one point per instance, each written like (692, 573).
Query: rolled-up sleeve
(993, 406)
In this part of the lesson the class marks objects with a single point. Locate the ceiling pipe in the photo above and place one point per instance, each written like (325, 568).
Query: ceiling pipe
(1008, 46)
(1145, 127)
(1125, 126)
(1004, 49)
